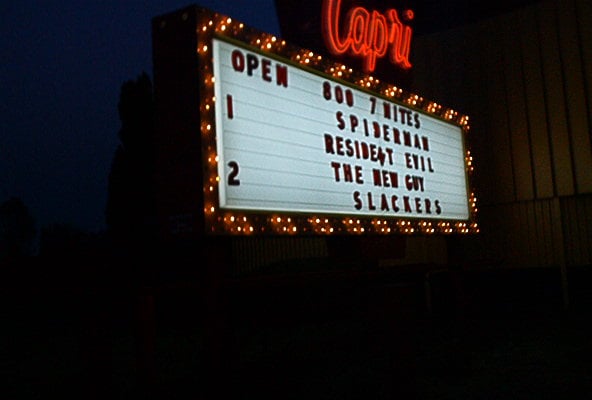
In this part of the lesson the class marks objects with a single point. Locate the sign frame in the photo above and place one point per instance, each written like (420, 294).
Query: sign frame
(213, 26)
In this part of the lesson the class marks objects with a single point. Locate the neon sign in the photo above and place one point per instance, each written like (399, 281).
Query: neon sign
(367, 34)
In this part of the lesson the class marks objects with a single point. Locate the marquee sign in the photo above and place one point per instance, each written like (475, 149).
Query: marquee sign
(296, 144)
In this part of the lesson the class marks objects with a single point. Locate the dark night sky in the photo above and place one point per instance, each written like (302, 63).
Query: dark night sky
(63, 64)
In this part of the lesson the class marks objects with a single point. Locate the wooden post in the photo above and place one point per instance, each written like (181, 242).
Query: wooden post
(218, 343)
(562, 253)
(146, 340)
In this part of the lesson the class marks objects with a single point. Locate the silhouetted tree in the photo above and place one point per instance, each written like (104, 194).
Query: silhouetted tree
(130, 214)
(76, 257)
(65, 241)
(130, 206)
(17, 229)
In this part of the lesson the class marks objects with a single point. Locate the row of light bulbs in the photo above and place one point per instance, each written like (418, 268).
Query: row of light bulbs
(224, 222)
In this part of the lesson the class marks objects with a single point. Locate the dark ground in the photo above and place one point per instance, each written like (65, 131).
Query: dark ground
(358, 339)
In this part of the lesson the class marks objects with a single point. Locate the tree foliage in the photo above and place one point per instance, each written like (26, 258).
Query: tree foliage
(17, 229)
(130, 202)
(62, 240)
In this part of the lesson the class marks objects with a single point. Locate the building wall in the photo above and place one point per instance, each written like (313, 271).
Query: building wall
(525, 80)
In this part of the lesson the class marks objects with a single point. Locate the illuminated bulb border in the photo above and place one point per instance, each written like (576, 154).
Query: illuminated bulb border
(245, 224)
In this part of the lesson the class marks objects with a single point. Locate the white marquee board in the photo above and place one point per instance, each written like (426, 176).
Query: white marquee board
(290, 140)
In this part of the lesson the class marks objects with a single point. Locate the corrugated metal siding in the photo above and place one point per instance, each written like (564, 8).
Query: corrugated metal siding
(576, 104)
(525, 80)
(559, 141)
(537, 233)
(578, 230)
(522, 233)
